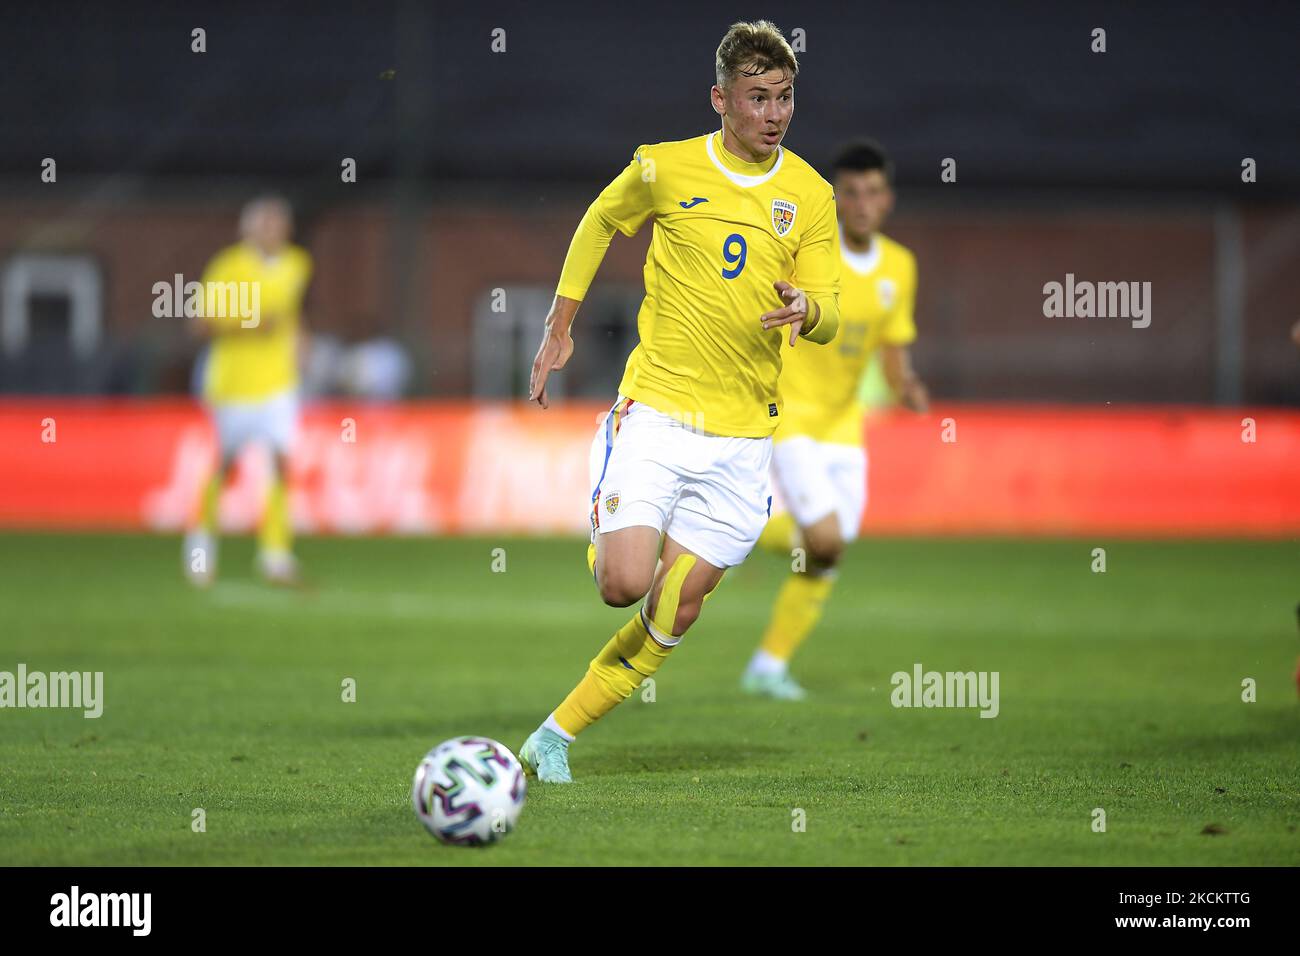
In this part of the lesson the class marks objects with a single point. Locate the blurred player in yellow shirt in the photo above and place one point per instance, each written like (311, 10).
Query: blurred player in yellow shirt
(820, 458)
(743, 258)
(250, 382)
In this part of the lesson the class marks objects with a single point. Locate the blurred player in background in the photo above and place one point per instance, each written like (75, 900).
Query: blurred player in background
(820, 459)
(682, 461)
(250, 382)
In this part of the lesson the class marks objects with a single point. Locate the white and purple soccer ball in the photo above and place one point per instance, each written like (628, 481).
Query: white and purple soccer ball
(468, 791)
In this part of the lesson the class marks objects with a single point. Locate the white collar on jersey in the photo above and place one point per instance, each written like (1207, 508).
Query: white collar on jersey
(743, 179)
(863, 263)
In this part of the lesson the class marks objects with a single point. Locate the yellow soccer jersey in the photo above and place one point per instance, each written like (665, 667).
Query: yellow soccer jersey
(820, 386)
(724, 231)
(251, 364)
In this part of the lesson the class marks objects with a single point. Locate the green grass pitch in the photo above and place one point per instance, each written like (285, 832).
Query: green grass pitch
(1120, 690)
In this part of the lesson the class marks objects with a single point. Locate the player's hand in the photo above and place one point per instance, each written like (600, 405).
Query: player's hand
(554, 352)
(914, 396)
(795, 313)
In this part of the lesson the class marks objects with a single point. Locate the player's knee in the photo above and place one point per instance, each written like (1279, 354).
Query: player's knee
(826, 554)
(825, 546)
(621, 588)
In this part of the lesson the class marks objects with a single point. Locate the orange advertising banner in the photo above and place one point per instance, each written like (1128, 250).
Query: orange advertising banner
(478, 468)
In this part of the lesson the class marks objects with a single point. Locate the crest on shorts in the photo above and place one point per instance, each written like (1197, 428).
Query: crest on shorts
(611, 502)
(886, 291)
(783, 215)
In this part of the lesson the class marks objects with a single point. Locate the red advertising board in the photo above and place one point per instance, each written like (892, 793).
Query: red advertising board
(468, 468)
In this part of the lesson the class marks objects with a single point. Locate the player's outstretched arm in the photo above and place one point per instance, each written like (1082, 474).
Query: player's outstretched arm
(622, 206)
(897, 333)
(902, 379)
(556, 347)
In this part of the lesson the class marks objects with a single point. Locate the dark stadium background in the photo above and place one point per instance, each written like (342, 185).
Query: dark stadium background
(474, 167)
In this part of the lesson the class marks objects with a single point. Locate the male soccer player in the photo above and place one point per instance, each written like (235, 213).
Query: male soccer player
(820, 461)
(744, 244)
(251, 377)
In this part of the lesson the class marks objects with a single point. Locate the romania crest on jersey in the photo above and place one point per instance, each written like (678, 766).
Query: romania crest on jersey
(886, 292)
(783, 215)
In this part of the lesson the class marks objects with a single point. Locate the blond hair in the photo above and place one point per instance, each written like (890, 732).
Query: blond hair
(753, 49)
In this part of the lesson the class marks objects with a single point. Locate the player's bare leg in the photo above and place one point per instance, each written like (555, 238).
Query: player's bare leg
(199, 549)
(625, 564)
(629, 566)
(275, 560)
(699, 580)
(799, 607)
(824, 543)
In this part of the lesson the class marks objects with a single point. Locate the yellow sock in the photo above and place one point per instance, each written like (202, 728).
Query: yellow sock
(799, 606)
(780, 535)
(629, 657)
(209, 504)
(276, 534)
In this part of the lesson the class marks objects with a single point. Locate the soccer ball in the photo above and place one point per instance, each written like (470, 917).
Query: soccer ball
(468, 791)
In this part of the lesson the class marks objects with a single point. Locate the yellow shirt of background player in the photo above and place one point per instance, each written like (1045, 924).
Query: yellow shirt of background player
(820, 386)
(252, 364)
(724, 231)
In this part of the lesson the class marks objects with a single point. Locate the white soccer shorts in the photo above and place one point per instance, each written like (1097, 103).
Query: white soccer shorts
(273, 421)
(817, 479)
(710, 493)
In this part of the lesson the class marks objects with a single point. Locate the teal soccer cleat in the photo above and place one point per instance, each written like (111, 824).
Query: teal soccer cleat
(776, 686)
(545, 755)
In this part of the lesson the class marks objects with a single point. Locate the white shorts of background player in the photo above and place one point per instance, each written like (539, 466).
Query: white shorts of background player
(272, 421)
(815, 479)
